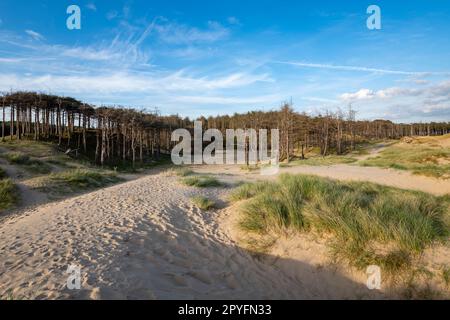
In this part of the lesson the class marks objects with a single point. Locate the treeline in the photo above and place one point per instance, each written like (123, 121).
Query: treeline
(332, 132)
(111, 135)
(107, 135)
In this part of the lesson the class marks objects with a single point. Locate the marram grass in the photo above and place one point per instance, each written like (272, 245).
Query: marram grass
(8, 194)
(202, 182)
(203, 202)
(361, 217)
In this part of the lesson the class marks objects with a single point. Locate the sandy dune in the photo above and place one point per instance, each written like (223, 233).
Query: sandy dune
(143, 239)
(344, 172)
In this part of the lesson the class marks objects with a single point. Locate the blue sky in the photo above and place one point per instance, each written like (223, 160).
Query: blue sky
(216, 57)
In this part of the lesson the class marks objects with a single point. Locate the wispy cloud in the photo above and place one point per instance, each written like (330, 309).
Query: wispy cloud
(126, 82)
(35, 35)
(234, 21)
(359, 69)
(222, 100)
(91, 6)
(112, 15)
(175, 33)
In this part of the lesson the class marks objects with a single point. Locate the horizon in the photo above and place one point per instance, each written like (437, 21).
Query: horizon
(234, 57)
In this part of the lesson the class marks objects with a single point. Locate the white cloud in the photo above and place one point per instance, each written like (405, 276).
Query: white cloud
(432, 101)
(91, 6)
(126, 11)
(362, 94)
(367, 94)
(88, 53)
(174, 33)
(35, 35)
(234, 21)
(437, 90)
(221, 100)
(123, 82)
(112, 15)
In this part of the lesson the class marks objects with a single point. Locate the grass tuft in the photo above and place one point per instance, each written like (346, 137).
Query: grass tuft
(446, 276)
(202, 182)
(77, 180)
(8, 194)
(321, 161)
(3, 174)
(30, 164)
(203, 202)
(182, 172)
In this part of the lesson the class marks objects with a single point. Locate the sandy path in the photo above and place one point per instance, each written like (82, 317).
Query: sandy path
(143, 239)
(388, 177)
(31, 197)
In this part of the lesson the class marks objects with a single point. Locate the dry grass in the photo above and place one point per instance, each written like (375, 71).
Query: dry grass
(429, 156)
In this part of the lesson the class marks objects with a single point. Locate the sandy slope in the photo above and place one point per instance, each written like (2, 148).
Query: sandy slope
(143, 239)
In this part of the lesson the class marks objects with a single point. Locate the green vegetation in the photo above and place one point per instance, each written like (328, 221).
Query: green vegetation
(370, 224)
(446, 276)
(44, 168)
(30, 164)
(35, 149)
(421, 158)
(76, 180)
(320, 161)
(2, 174)
(182, 172)
(8, 194)
(202, 182)
(203, 202)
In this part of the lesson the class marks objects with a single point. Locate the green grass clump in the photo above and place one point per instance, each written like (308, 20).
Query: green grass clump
(36, 149)
(203, 202)
(320, 161)
(421, 159)
(2, 174)
(446, 276)
(182, 172)
(362, 217)
(76, 180)
(202, 182)
(17, 158)
(30, 164)
(84, 178)
(8, 194)
(249, 190)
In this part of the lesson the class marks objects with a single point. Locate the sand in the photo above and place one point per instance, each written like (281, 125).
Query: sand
(144, 240)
